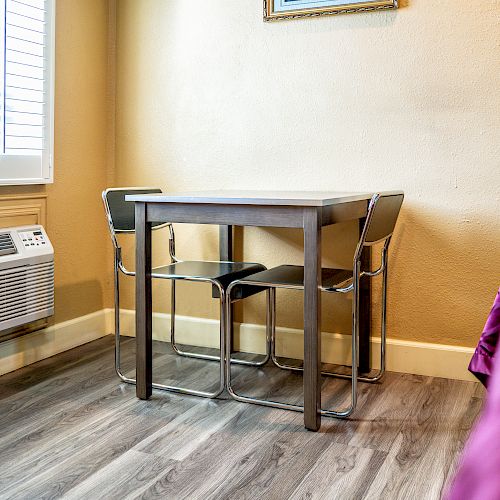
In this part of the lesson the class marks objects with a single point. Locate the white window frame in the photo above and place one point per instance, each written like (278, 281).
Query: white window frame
(16, 164)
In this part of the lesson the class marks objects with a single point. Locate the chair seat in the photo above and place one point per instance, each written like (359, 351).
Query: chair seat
(223, 272)
(293, 276)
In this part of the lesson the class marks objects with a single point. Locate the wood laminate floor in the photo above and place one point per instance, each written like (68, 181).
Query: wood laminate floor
(70, 429)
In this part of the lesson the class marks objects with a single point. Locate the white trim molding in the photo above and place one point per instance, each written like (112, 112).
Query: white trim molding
(404, 356)
(434, 360)
(33, 347)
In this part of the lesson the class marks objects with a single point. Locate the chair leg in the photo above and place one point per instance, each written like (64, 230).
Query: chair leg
(229, 342)
(163, 387)
(118, 368)
(345, 376)
(222, 358)
(383, 322)
(383, 331)
(208, 357)
(354, 349)
(275, 404)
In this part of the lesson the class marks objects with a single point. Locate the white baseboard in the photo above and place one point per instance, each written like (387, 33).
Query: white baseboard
(33, 347)
(434, 360)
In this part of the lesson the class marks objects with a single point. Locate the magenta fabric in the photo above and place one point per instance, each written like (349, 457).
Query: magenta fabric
(481, 364)
(478, 476)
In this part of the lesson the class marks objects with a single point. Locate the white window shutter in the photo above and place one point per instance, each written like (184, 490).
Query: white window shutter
(26, 127)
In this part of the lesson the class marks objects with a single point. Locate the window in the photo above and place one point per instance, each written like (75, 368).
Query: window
(26, 88)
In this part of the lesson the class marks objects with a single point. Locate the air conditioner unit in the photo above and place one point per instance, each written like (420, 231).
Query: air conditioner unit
(26, 276)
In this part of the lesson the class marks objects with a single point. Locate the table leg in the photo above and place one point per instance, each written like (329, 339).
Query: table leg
(143, 315)
(226, 248)
(312, 319)
(364, 310)
(226, 242)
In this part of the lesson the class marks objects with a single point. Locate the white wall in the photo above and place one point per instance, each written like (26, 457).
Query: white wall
(209, 96)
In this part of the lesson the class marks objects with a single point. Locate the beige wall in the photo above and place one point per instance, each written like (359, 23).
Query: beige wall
(75, 220)
(209, 96)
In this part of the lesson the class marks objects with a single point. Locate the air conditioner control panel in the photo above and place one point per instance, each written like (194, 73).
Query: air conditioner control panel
(32, 238)
(31, 243)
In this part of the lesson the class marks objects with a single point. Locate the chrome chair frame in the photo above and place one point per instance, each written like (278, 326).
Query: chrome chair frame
(383, 328)
(211, 357)
(352, 287)
(119, 267)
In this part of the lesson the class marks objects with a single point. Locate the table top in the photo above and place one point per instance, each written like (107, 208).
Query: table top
(229, 197)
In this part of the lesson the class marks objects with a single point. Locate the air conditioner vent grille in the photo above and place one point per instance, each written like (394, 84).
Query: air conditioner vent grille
(7, 246)
(26, 289)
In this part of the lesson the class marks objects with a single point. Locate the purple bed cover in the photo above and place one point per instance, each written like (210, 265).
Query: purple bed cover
(478, 475)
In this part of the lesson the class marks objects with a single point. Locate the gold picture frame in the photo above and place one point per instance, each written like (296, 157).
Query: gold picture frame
(276, 10)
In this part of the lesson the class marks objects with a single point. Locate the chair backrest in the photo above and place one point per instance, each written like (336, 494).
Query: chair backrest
(382, 215)
(121, 213)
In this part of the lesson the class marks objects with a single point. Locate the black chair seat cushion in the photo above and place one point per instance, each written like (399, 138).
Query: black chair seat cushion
(294, 276)
(223, 272)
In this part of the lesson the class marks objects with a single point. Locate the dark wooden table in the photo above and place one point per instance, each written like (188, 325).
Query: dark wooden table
(307, 210)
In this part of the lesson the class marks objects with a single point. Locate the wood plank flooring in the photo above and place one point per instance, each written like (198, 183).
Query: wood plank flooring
(70, 429)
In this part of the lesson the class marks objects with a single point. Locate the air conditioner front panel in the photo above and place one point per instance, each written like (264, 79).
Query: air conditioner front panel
(26, 276)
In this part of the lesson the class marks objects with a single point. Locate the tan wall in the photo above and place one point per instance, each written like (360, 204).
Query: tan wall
(209, 96)
(75, 220)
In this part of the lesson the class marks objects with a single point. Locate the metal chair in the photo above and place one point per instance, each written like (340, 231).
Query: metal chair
(381, 219)
(120, 216)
